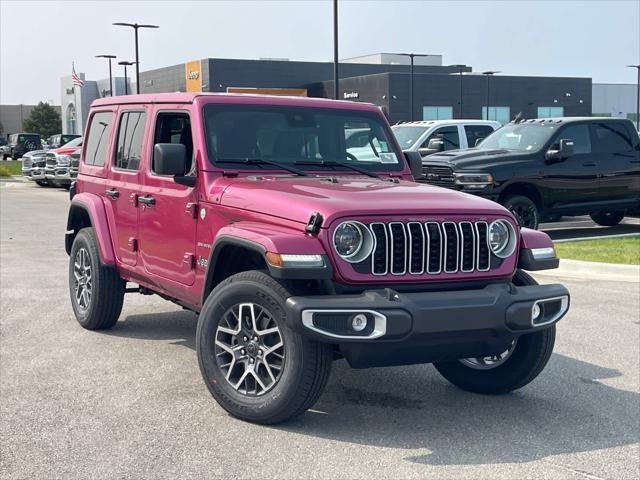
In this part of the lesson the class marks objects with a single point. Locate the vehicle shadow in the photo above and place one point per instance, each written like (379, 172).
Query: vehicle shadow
(567, 409)
(569, 233)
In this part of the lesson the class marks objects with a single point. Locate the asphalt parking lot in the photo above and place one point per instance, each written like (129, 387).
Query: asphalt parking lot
(130, 403)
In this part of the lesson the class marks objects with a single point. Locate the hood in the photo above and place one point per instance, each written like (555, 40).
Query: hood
(471, 158)
(64, 150)
(296, 198)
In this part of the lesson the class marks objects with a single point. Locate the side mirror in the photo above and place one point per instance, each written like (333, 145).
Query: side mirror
(414, 159)
(436, 144)
(564, 151)
(171, 159)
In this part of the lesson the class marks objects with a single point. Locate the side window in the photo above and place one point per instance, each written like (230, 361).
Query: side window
(448, 134)
(130, 136)
(98, 138)
(476, 132)
(175, 127)
(580, 136)
(611, 137)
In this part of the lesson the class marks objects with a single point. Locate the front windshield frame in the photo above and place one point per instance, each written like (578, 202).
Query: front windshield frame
(543, 134)
(305, 164)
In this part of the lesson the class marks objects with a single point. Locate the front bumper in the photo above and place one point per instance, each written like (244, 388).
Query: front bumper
(61, 175)
(425, 327)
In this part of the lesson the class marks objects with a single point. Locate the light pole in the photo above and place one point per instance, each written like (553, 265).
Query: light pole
(125, 64)
(109, 57)
(336, 90)
(460, 70)
(135, 27)
(637, 67)
(488, 73)
(411, 57)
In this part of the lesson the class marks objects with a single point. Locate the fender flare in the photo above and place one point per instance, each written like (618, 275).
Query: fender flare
(92, 205)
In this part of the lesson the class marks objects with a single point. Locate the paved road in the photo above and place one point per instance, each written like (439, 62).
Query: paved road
(569, 228)
(130, 403)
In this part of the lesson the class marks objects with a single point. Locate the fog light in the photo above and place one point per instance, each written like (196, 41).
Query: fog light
(535, 312)
(359, 322)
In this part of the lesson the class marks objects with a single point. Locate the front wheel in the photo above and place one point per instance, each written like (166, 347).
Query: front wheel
(96, 290)
(42, 183)
(257, 368)
(524, 209)
(607, 219)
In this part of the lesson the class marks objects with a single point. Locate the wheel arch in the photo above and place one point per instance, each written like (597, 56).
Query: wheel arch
(522, 188)
(87, 210)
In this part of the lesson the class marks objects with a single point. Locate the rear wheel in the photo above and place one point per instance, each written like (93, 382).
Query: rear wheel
(509, 370)
(97, 292)
(256, 368)
(607, 219)
(524, 209)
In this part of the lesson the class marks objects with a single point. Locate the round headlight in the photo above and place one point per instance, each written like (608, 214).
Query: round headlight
(502, 238)
(352, 241)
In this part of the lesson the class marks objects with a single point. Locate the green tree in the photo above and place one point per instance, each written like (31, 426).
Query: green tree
(44, 119)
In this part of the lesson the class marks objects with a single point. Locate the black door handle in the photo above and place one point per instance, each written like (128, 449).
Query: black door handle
(112, 193)
(149, 200)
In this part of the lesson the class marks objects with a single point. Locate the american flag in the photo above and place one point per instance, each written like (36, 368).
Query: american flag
(75, 78)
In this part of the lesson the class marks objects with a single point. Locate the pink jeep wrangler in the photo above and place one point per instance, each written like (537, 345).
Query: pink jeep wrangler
(293, 227)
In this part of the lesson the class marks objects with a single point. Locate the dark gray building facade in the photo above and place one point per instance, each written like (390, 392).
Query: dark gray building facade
(439, 91)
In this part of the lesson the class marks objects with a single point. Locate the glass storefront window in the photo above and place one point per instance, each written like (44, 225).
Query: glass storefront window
(437, 113)
(550, 112)
(499, 114)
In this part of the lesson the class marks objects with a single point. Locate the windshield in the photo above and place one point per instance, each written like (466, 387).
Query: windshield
(28, 138)
(408, 136)
(305, 137)
(76, 142)
(65, 139)
(523, 137)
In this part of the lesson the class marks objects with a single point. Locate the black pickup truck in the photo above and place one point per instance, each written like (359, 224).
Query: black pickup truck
(543, 168)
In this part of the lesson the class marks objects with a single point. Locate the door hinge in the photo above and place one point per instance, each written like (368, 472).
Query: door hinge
(191, 209)
(189, 260)
(133, 244)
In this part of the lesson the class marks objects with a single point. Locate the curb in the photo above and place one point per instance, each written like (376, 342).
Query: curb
(594, 271)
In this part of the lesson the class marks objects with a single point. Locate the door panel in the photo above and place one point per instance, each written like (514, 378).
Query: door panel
(168, 210)
(575, 179)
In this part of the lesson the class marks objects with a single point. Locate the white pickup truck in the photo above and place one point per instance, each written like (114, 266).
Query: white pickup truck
(431, 136)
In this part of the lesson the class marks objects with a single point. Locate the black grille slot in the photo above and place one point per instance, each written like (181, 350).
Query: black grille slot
(416, 247)
(451, 247)
(483, 247)
(398, 240)
(379, 256)
(434, 258)
(468, 241)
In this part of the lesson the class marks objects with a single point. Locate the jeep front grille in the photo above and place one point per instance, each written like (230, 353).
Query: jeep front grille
(417, 248)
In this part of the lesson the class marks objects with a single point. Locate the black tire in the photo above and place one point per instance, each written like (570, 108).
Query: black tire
(107, 288)
(528, 359)
(607, 219)
(524, 209)
(42, 183)
(304, 370)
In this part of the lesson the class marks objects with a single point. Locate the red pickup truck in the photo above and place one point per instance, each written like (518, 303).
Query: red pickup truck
(296, 247)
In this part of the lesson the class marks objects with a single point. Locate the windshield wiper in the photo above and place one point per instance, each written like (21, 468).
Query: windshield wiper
(258, 161)
(333, 163)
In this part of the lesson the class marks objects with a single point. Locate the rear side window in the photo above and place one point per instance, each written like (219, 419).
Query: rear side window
(130, 136)
(611, 137)
(449, 135)
(476, 132)
(98, 138)
(580, 136)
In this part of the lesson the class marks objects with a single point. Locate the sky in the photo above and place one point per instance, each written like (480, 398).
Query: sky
(543, 38)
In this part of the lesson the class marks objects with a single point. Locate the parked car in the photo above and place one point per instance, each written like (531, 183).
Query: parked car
(21, 143)
(433, 136)
(33, 166)
(547, 167)
(58, 164)
(253, 212)
(5, 151)
(60, 139)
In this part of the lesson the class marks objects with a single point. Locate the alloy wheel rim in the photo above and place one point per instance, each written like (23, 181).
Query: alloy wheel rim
(249, 349)
(492, 361)
(525, 214)
(83, 282)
